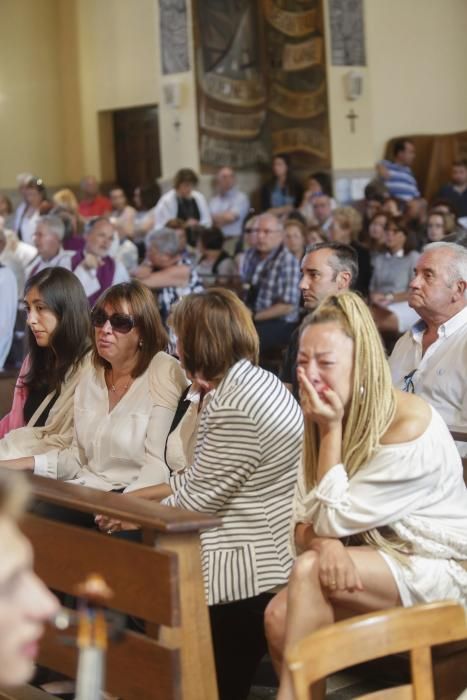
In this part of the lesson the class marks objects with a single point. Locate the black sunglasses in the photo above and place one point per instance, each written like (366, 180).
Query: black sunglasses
(122, 323)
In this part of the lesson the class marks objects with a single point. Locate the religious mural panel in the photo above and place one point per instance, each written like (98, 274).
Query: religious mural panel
(261, 82)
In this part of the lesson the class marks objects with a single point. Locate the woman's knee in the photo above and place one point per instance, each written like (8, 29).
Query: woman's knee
(305, 568)
(275, 616)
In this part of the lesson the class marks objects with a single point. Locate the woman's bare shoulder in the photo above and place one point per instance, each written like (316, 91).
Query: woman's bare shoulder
(411, 419)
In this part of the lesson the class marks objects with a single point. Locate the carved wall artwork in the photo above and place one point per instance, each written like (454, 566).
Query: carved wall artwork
(261, 82)
(347, 33)
(173, 36)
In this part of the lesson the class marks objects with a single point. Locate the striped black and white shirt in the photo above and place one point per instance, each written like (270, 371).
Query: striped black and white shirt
(244, 471)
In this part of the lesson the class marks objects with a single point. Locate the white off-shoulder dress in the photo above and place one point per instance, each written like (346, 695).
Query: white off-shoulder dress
(417, 489)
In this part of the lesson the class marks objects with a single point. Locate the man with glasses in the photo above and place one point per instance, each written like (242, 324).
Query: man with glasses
(93, 266)
(271, 274)
(431, 358)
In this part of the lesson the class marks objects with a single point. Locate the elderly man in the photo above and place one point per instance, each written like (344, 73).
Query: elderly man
(431, 358)
(229, 208)
(167, 271)
(93, 266)
(272, 274)
(47, 239)
(327, 268)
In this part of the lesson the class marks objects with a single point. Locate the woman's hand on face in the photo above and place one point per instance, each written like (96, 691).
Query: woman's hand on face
(337, 572)
(325, 409)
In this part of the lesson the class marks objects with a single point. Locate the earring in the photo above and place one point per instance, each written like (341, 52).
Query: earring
(140, 344)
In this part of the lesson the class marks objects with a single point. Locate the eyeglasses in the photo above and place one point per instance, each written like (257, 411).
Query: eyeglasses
(122, 323)
(267, 231)
(409, 387)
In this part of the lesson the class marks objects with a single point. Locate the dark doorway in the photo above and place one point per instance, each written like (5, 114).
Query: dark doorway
(137, 154)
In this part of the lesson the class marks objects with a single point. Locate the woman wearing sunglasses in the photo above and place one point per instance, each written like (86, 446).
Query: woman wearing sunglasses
(126, 400)
(41, 418)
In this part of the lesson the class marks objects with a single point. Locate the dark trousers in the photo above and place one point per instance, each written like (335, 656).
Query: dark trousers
(273, 334)
(239, 644)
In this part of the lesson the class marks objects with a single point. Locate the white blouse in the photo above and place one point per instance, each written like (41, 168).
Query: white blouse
(415, 487)
(123, 448)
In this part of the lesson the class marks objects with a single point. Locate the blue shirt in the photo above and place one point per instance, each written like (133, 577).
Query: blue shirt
(234, 201)
(401, 182)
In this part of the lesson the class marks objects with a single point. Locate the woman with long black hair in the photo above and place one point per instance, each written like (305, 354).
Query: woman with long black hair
(41, 418)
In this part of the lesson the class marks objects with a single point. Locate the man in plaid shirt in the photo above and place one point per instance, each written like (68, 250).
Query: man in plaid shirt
(273, 276)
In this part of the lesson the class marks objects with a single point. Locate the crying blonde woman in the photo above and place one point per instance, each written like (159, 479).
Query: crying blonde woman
(380, 506)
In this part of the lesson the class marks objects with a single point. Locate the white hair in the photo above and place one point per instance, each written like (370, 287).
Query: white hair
(164, 240)
(54, 224)
(457, 262)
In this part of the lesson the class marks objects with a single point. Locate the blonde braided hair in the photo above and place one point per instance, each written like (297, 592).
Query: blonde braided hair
(372, 404)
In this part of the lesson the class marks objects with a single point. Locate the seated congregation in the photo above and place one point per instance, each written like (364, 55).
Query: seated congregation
(151, 335)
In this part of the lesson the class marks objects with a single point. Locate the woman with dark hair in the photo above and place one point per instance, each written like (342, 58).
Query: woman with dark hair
(283, 192)
(214, 262)
(37, 204)
(58, 335)
(125, 401)
(243, 471)
(183, 202)
(389, 284)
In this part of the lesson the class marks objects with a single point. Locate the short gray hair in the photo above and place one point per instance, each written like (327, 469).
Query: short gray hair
(54, 224)
(457, 263)
(165, 240)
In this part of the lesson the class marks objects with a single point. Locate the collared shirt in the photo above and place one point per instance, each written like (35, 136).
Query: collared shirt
(62, 259)
(276, 277)
(401, 182)
(440, 377)
(231, 201)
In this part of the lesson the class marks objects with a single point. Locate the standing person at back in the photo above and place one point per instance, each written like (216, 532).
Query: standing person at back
(327, 268)
(273, 274)
(431, 358)
(397, 174)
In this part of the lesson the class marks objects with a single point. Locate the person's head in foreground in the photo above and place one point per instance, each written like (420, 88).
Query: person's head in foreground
(214, 331)
(25, 602)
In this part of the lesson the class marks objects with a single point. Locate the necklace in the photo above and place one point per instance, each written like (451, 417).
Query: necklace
(113, 386)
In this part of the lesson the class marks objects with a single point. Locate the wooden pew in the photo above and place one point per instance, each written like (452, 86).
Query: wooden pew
(159, 582)
(7, 387)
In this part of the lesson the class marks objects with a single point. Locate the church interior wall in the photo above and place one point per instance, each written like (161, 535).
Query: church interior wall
(66, 65)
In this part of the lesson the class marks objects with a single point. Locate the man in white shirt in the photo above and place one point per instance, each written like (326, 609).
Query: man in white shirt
(229, 208)
(8, 308)
(48, 238)
(431, 358)
(93, 266)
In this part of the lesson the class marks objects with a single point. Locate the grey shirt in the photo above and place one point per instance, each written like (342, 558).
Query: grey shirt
(393, 273)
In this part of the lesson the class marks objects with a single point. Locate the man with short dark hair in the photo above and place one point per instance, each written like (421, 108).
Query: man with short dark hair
(322, 209)
(455, 192)
(327, 268)
(430, 359)
(397, 174)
